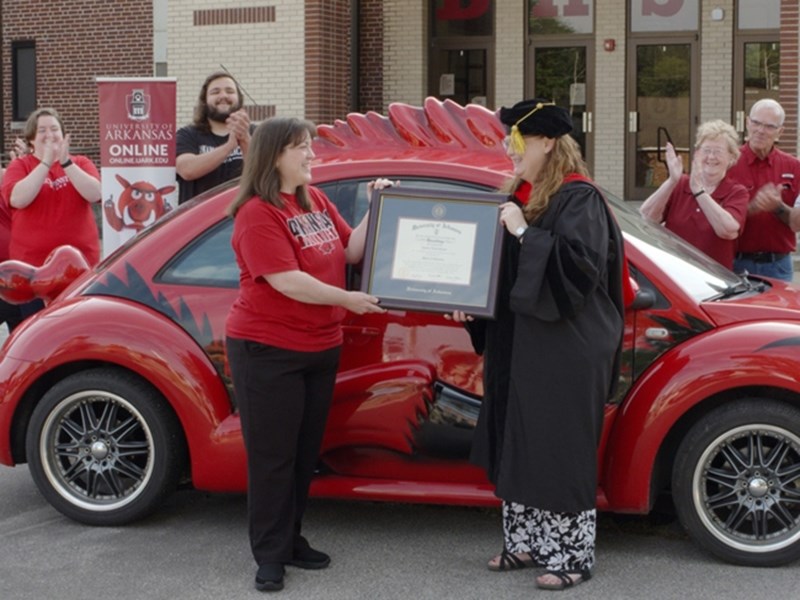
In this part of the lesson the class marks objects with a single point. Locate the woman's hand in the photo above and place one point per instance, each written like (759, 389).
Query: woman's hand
(696, 180)
(511, 216)
(361, 303)
(19, 148)
(379, 184)
(459, 316)
(674, 163)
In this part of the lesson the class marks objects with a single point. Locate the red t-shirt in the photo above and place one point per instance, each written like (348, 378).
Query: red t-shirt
(764, 231)
(57, 216)
(684, 216)
(268, 240)
(5, 227)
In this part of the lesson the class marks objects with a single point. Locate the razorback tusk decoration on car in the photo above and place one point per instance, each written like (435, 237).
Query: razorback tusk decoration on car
(21, 282)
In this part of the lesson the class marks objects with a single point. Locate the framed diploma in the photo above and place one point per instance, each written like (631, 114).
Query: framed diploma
(434, 250)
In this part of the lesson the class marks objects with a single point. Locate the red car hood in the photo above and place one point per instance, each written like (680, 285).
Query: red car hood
(780, 301)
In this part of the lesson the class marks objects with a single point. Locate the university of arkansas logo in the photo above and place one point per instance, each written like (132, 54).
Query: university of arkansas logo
(138, 104)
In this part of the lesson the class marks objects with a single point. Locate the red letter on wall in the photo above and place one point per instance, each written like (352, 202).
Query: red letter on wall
(661, 8)
(453, 11)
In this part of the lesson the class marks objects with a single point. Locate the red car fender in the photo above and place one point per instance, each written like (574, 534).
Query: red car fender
(125, 335)
(720, 360)
(379, 406)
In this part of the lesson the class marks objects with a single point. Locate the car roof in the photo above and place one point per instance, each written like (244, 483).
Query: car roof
(437, 132)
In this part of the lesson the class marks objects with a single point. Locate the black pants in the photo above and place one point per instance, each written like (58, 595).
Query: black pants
(283, 398)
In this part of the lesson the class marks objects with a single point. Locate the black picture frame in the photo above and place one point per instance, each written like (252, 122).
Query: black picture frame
(434, 250)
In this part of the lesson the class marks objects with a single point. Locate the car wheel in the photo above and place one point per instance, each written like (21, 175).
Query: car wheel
(104, 447)
(736, 482)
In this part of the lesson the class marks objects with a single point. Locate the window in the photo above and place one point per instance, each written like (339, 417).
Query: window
(350, 196)
(208, 261)
(23, 79)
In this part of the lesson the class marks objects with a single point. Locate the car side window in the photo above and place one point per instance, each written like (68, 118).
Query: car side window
(350, 196)
(207, 261)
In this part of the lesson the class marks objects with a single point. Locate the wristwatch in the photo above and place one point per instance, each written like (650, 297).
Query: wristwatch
(520, 230)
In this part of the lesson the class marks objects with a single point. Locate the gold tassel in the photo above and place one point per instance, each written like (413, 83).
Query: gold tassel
(516, 140)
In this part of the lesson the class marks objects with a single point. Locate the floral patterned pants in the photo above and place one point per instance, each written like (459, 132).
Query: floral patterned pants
(557, 541)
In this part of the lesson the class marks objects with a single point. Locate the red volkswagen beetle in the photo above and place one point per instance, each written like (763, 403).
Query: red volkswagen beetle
(118, 392)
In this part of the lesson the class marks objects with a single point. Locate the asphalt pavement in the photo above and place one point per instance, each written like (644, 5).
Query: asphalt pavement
(196, 548)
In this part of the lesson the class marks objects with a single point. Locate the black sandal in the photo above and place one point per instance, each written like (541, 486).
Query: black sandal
(565, 581)
(512, 562)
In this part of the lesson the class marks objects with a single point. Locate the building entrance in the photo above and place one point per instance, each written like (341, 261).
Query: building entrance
(661, 89)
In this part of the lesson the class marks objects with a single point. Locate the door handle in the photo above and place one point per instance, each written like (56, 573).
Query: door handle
(365, 331)
(633, 122)
(587, 122)
(740, 121)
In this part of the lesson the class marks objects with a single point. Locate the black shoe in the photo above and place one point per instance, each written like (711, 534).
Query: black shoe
(269, 577)
(308, 558)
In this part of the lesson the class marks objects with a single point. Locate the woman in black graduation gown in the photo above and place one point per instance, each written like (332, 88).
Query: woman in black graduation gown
(551, 356)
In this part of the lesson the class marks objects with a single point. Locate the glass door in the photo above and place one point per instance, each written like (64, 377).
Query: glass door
(757, 75)
(661, 87)
(561, 75)
(460, 74)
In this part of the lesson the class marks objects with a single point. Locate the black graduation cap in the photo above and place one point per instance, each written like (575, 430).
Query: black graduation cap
(535, 117)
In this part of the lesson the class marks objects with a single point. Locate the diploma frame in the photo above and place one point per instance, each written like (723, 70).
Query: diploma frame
(434, 250)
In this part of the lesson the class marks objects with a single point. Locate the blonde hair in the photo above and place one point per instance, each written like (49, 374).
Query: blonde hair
(565, 158)
(719, 129)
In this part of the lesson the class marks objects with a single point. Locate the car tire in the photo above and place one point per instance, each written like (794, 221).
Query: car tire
(104, 447)
(736, 482)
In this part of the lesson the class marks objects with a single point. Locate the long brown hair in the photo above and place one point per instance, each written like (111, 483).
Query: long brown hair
(260, 175)
(565, 158)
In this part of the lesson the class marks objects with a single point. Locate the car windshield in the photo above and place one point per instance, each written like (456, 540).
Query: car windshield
(698, 275)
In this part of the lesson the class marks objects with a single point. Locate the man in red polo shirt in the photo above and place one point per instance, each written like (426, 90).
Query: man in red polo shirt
(772, 178)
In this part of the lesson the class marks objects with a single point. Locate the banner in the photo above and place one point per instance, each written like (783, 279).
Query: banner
(137, 154)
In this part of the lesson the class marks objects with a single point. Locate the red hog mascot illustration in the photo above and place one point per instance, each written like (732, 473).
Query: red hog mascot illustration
(140, 204)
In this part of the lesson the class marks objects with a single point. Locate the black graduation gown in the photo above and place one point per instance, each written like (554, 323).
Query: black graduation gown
(539, 427)
(492, 339)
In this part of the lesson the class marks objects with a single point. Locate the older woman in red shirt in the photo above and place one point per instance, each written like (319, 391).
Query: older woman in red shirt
(706, 208)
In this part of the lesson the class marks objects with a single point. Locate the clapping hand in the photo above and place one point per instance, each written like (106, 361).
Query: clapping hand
(674, 163)
(768, 198)
(19, 148)
(239, 125)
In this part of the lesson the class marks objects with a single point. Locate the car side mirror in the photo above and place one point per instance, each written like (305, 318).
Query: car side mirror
(642, 299)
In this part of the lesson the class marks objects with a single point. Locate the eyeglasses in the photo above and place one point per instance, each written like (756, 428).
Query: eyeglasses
(715, 152)
(768, 126)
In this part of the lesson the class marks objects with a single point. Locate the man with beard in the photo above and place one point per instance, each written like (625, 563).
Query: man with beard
(211, 149)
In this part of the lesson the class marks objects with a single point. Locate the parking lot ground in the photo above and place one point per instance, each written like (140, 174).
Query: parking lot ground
(196, 548)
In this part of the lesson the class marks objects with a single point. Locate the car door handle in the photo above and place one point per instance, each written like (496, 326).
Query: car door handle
(656, 333)
(355, 330)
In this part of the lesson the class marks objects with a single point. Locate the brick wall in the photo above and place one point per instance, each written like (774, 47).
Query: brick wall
(716, 52)
(371, 56)
(327, 59)
(509, 54)
(262, 43)
(610, 126)
(790, 26)
(76, 42)
(405, 69)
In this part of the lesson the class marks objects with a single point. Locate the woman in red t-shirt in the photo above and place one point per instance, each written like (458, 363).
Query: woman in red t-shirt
(284, 334)
(706, 208)
(50, 193)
